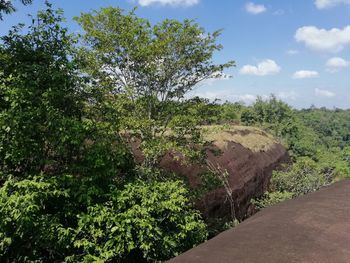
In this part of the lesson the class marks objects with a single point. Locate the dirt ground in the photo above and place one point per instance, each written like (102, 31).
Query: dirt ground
(312, 228)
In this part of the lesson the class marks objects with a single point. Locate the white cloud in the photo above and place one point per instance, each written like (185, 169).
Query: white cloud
(305, 74)
(254, 8)
(292, 52)
(333, 40)
(168, 2)
(287, 95)
(336, 63)
(265, 67)
(324, 93)
(324, 4)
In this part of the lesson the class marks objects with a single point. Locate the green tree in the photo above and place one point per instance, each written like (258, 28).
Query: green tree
(230, 112)
(332, 126)
(42, 220)
(44, 124)
(65, 174)
(6, 6)
(146, 69)
(271, 198)
(272, 114)
(41, 97)
(32, 221)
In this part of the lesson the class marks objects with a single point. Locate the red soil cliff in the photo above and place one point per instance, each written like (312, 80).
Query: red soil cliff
(248, 155)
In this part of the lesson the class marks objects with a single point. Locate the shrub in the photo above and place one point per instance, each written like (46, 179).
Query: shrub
(31, 228)
(303, 177)
(150, 222)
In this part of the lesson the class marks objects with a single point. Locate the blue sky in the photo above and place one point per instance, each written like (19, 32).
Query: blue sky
(298, 50)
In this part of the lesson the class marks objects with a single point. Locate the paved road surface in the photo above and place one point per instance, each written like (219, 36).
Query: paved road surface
(312, 228)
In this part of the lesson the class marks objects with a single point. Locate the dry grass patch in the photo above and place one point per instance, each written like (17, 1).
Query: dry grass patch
(252, 138)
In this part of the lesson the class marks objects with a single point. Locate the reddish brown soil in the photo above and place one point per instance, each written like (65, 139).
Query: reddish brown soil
(249, 175)
(314, 228)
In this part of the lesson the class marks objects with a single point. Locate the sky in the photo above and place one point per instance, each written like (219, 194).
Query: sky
(298, 50)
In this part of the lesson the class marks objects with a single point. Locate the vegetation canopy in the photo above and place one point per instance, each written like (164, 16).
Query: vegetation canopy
(69, 188)
(76, 110)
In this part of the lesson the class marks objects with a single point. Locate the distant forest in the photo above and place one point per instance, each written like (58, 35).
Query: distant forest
(317, 140)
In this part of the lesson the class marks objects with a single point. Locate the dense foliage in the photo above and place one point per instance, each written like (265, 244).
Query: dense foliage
(69, 185)
(74, 108)
(317, 140)
(142, 221)
(332, 126)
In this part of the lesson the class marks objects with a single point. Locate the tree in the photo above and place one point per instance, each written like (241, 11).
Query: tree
(150, 68)
(332, 126)
(44, 124)
(65, 174)
(273, 114)
(6, 6)
(140, 222)
(41, 96)
(230, 112)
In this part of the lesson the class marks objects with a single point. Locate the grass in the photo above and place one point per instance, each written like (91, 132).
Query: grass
(249, 137)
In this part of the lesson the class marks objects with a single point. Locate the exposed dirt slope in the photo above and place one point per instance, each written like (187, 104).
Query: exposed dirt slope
(312, 228)
(248, 154)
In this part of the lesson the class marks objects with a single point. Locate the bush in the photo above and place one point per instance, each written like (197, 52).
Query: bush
(31, 227)
(272, 114)
(42, 98)
(303, 177)
(43, 219)
(150, 222)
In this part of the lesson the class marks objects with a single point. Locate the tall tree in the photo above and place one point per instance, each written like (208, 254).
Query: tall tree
(153, 67)
(40, 93)
(42, 103)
